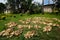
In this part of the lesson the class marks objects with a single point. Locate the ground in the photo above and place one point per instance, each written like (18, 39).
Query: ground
(29, 27)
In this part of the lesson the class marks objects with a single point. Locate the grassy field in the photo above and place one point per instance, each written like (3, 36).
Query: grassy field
(34, 27)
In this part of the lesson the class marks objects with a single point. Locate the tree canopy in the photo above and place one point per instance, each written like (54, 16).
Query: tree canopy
(2, 7)
(21, 5)
(57, 4)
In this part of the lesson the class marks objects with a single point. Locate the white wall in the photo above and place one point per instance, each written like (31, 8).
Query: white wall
(47, 9)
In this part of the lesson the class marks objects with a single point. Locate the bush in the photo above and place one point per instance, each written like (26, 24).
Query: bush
(3, 18)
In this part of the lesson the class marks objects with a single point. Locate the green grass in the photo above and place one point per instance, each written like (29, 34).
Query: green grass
(53, 35)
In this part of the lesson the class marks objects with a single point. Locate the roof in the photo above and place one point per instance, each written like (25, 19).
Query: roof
(49, 5)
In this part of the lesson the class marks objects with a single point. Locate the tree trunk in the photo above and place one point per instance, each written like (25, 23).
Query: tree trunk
(42, 6)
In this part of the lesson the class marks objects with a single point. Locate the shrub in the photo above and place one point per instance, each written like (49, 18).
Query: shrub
(3, 17)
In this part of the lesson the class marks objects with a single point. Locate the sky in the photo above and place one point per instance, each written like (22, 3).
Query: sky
(3, 1)
(40, 1)
(45, 1)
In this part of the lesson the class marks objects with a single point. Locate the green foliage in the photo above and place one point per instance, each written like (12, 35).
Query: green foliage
(57, 4)
(3, 17)
(25, 5)
(2, 7)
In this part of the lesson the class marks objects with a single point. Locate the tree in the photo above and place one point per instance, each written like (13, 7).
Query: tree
(57, 4)
(11, 3)
(2, 7)
(26, 5)
(22, 5)
(35, 8)
(42, 6)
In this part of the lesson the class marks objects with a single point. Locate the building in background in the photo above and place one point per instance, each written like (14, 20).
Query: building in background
(48, 8)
